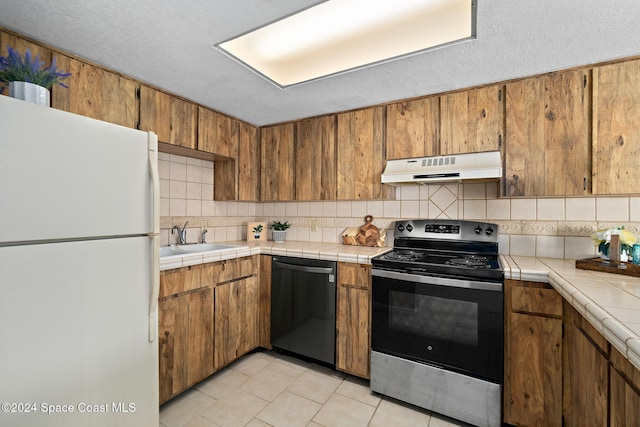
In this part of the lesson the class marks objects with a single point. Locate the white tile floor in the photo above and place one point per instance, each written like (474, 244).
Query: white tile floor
(269, 389)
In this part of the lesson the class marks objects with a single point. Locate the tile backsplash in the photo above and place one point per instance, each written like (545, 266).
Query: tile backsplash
(546, 227)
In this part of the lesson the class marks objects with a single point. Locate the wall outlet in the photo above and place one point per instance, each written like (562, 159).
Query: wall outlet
(314, 225)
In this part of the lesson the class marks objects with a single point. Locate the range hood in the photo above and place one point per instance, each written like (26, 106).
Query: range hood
(444, 169)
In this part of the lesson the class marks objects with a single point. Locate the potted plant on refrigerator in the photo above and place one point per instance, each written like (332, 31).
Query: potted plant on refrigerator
(28, 78)
(279, 230)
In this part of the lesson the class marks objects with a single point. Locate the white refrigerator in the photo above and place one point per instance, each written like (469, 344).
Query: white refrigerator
(78, 270)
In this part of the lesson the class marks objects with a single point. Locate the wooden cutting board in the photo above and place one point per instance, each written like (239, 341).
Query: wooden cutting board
(369, 233)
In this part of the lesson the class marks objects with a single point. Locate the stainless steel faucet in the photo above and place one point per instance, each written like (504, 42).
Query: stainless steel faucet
(202, 238)
(182, 233)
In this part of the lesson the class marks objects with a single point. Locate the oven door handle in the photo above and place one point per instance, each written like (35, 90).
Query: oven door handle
(442, 281)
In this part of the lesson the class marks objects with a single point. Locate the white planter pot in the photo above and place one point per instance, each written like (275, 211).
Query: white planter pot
(278, 236)
(29, 92)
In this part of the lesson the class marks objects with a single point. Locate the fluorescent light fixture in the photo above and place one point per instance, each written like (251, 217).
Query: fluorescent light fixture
(342, 35)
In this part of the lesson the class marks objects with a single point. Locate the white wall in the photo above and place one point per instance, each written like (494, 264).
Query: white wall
(555, 227)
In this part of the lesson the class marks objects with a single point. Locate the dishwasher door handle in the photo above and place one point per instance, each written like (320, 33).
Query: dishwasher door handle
(304, 268)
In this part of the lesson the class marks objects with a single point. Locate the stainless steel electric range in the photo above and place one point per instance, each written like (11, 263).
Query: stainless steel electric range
(437, 319)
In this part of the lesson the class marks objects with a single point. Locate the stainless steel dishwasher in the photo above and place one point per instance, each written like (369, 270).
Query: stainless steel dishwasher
(303, 307)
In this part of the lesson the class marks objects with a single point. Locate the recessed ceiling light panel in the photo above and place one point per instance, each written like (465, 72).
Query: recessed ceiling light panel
(343, 35)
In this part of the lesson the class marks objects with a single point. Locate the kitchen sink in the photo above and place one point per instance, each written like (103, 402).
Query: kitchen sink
(194, 248)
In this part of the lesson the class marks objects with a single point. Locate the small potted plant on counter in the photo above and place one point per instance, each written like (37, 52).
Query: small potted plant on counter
(28, 78)
(279, 230)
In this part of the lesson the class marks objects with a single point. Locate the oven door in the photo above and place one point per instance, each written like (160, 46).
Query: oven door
(451, 323)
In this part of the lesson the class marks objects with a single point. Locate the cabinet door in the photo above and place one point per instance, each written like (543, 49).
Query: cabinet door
(315, 154)
(95, 92)
(472, 120)
(534, 371)
(185, 330)
(547, 150)
(625, 395)
(217, 134)
(278, 163)
(586, 380)
(413, 128)
(361, 155)
(589, 382)
(533, 354)
(264, 309)
(353, 319)
(236, 320)
(248, 163)
(616, 123)
(172, 119)
(625, 402)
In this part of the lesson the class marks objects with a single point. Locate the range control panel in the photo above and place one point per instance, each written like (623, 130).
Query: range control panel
(447, 230)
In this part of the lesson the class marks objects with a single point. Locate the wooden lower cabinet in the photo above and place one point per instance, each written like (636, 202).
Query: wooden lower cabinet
(624, 392)
(353, 319)
(185, 330)
(586, 388)
(264, 301)
(533, 354)
(236, 319)
(208, 316)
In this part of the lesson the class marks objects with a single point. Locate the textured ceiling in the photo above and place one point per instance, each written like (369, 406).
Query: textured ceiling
(167, 43)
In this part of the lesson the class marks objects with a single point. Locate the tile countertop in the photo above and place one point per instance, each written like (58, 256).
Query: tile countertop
(610, 302)
(314, 250)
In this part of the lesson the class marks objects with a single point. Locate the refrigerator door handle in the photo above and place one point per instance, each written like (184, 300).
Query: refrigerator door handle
(155, 237)
(155, 287)
(155, 180)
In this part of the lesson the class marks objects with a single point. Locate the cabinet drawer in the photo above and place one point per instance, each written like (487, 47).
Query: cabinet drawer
(180, 280)
(354, 275)
(225, 271)
(536, 298)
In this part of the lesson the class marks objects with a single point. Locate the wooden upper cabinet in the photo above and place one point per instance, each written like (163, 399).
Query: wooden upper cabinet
(315, 153)
(361, 155)
(278, 163)
(95, 92)
(472, 120)
(248, 163)
(547, 149)
(172, 119)
(217, 134)
(239, 179)
(616, 128)
(413, 128)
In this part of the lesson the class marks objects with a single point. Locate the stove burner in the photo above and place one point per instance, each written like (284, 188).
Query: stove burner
(403, 255)
(472, 261)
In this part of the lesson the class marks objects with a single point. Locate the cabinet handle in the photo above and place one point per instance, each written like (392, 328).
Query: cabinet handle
(304, 268)
(584, 183)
